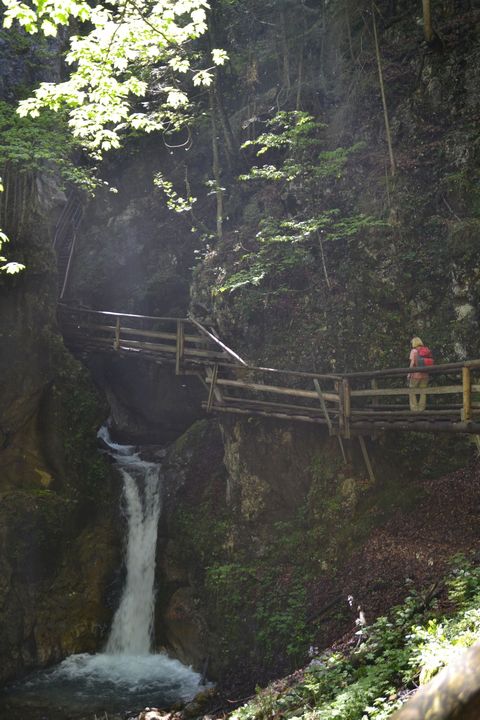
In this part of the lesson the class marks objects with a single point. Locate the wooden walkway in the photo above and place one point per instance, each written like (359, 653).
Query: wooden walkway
(348, 404)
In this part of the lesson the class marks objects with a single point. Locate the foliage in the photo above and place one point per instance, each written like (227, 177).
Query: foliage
(43, 144)
(124, 47)
(174, 201)
(289, 244)
(80, 411)
(10, 268)
(32, 146)
(294, 242)
(392, 656)
(258, 589)
(258, 602)
(274, 589)
(299, 134)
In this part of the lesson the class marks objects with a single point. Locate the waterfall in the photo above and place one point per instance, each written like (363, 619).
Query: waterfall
(126, 674)
(132, 627)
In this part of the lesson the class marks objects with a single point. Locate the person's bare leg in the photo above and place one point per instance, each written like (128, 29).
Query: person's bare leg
(413, 398)
(422, 403)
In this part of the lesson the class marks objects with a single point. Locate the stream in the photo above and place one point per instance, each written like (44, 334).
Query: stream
(127, 675)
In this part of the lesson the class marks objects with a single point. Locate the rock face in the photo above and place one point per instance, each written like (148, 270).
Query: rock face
(148, 404)
(59, 539)
(243, 540)
(266, 532)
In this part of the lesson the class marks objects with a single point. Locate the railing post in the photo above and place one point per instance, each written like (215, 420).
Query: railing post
(346, 407)
(341, 410)
(375, 401)
(116, 342)
(467, 394)
(180, 347)
(323, 405)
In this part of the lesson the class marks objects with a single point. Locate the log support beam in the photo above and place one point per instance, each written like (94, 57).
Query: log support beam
(180, 347)
(366, 459)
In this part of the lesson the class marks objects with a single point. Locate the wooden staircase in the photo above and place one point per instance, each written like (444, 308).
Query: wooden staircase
(65, 238)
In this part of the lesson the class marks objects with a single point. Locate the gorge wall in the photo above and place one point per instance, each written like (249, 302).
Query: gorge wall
(265, 531)
(59, 539)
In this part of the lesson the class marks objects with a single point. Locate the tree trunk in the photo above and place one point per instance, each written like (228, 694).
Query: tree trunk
(216, 165)
(382, 92)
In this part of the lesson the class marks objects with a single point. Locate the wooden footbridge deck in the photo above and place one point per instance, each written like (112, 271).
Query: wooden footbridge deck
(348, 404)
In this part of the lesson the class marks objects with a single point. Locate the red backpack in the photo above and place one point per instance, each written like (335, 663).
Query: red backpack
(424, 356)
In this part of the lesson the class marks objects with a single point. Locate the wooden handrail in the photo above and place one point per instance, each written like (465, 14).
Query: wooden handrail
(212, 337)
(71, 309)
(430, 370)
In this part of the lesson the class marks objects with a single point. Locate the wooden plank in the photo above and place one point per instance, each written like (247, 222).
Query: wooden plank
(467, 395)
(278, 390)
(283, 406)
(263, 413)
(366, 459)
(296, 373)
(367, 413)
(323, 405)
(376, 405)
(158, 347)
(471, 428)
(384, 392)
(137, 331)
(216, 340)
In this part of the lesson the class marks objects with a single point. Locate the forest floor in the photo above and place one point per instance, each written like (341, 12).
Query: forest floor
(412, 549)
(417, 544)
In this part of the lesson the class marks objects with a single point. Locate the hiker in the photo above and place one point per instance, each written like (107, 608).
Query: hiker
(420, 356)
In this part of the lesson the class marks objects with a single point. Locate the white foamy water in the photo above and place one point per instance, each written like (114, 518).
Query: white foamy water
(127, 674)
(118, 679)
(133, 622)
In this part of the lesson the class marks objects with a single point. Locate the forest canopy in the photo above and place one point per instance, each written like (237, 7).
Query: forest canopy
(122, 51)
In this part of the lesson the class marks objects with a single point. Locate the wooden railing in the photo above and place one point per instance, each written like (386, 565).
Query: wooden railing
(346, 403)
(453, 399)
(180, 340)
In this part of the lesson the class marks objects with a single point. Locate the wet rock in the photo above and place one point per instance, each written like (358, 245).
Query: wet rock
(199, 703)
(148, 404)
(157, 714)
(185, 627)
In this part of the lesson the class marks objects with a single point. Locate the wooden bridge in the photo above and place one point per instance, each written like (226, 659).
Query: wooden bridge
(348, 404)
